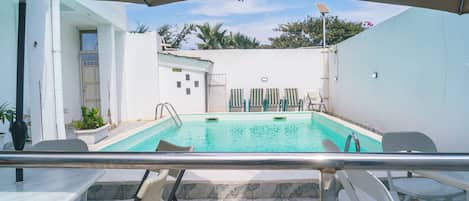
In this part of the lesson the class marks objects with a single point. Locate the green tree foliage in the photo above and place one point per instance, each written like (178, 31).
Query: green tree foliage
(241, 41)
(141, 28)
(175, 38)
(212, 37)
(7, 113)
(308, 32)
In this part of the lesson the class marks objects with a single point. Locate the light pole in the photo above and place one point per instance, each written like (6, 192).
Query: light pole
(322, 8)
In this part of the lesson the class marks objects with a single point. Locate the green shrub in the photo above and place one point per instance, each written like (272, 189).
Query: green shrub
(6, 113)
(90, 119)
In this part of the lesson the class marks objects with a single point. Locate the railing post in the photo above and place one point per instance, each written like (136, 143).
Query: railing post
(328, 185)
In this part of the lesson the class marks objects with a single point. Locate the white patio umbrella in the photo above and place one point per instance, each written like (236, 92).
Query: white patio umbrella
(148, 2)
(455, 6)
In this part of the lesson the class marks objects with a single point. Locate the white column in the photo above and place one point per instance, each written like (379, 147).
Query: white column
(120, 76)
(107, 72)
(44, 69)
(57, 68)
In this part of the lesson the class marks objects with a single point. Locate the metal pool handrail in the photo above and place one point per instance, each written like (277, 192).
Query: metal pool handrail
(355, 140)
(172, 112)
(326, 163)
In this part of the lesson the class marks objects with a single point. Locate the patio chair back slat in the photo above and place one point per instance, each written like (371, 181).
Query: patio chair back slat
(236, 98)
(291, 96)
(273, 97)
(257, 96)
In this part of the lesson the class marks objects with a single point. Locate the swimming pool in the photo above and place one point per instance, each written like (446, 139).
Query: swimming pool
(247, 132)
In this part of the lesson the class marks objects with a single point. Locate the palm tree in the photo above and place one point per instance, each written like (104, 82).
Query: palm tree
(141, 28)
(212, 37)
(174, 37)
(241, 41)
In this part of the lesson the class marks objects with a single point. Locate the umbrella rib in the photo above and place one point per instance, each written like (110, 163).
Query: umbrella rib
(148, 3)
(461, 6)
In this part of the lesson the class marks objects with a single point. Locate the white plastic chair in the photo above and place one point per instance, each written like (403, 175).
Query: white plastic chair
(413, 188)
(71, 145)
(314, 98)
(151, 189)
(359, 185)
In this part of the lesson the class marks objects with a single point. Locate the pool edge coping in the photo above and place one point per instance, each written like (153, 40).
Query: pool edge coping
(353, 126)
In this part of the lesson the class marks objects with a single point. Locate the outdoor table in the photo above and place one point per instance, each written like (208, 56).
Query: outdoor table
(47, 184)
(456, 179)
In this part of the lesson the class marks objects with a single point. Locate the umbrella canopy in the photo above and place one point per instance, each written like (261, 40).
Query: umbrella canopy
(454, 6)
(148, 2)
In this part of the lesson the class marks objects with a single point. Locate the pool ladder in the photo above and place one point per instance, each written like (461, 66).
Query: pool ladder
(172, 112)
(355, 139)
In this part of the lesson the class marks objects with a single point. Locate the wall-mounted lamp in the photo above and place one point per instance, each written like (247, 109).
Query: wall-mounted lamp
(264, 79)
(336, 78)
(374, 75)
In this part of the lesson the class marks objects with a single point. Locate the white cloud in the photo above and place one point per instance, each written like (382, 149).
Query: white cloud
(374, 12)
(262, 29)
(219, 8)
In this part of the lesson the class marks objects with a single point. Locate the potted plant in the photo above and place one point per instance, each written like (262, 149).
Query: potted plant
(91, 128)
(6, 114)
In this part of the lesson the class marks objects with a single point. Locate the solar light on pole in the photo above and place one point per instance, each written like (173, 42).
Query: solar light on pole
(322, 8)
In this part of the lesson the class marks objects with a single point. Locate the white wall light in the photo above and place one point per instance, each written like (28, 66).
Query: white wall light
(264, 79)
(374, 75)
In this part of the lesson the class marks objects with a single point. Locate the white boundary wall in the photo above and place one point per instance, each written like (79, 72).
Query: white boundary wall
(140, 93)
(284, 68)
(422, 58)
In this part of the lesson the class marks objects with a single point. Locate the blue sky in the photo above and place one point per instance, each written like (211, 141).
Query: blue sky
(256, 18)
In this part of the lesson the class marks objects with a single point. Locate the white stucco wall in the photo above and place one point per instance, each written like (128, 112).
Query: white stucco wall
(71, 71)
(108, 73)
(43, 71)
(43, 93)
(8, 39)
(104, 12)
(422, 58)
(182, 102)
(285, 68)
(173, 69)
(141, 92)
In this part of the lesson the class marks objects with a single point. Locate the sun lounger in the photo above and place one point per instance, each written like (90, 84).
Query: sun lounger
(237, 102)
(272, 100)
(256, 100)
(291, 101)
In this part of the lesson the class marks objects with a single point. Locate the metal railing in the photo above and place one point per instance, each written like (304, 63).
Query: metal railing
(172, 112)
(326, 163)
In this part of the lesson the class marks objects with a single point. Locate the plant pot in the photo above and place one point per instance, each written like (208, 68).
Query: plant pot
(94, 135)
(2, 139)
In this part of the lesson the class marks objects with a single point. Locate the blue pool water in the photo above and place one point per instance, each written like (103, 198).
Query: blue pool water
(268, 135)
